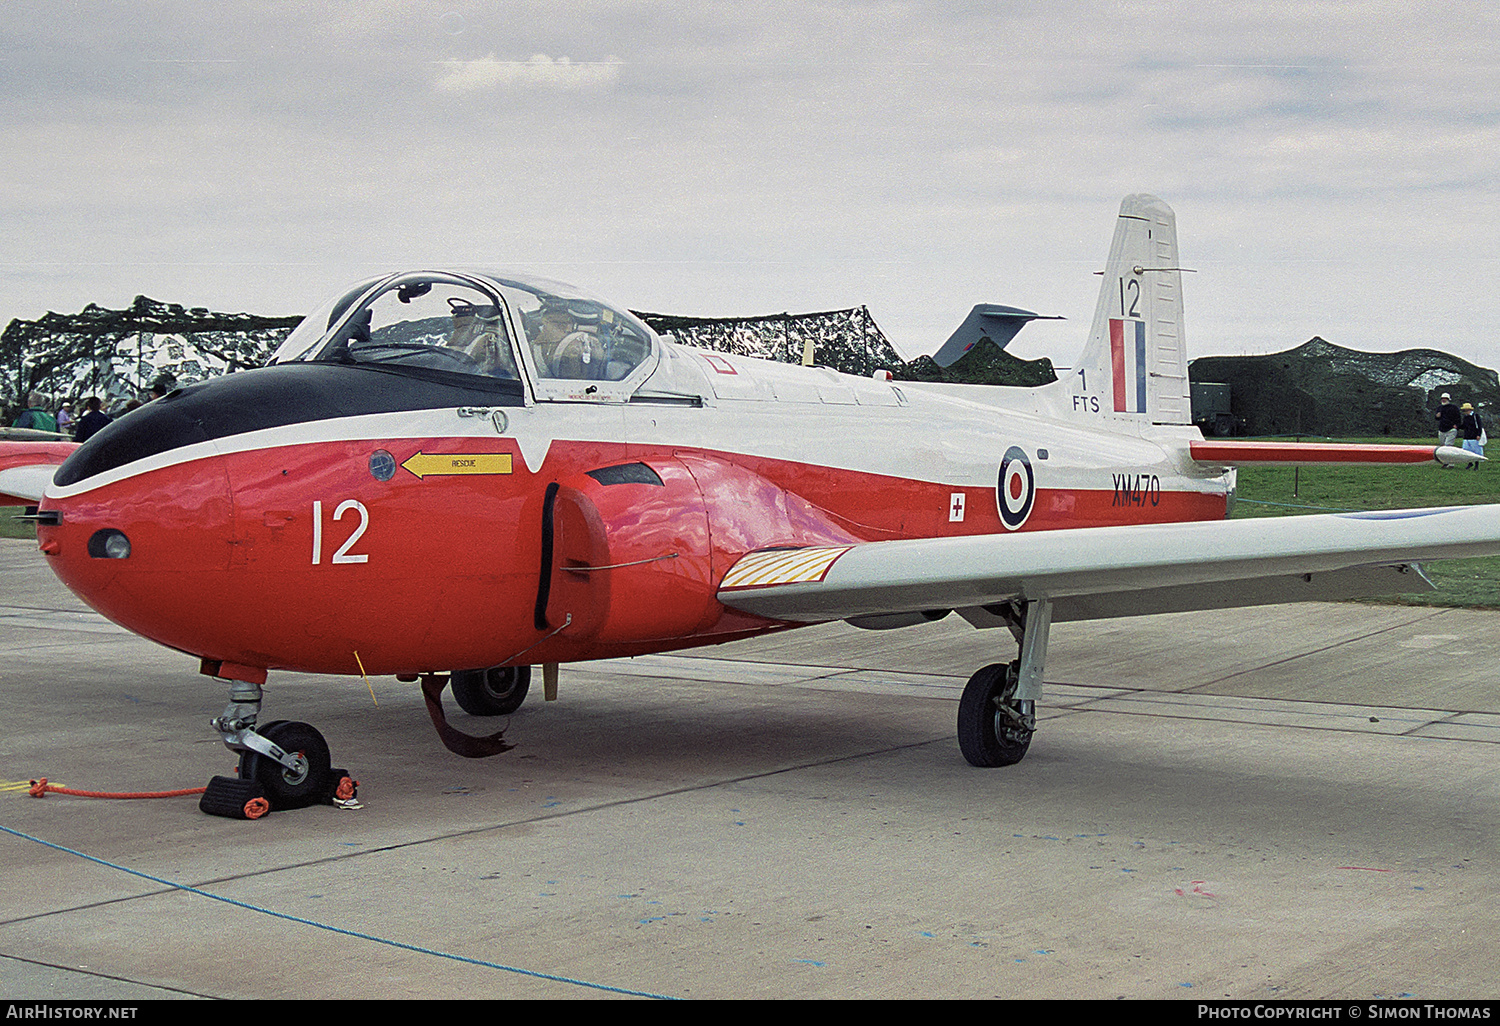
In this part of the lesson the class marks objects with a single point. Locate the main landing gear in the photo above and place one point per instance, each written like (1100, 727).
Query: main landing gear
(997, 713)
(498, 691)
(283, 764)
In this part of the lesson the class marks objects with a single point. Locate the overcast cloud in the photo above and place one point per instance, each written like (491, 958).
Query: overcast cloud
(1333, 165)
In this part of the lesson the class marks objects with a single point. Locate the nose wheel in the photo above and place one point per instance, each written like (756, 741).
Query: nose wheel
(291, 787)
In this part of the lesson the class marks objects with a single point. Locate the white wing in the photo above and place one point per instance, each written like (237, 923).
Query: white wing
(1113, 571)
(27, 482)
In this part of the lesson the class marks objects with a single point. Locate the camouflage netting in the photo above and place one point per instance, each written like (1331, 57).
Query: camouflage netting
(118, 354)
(1322, 389)
(846, 340)
(985, 364)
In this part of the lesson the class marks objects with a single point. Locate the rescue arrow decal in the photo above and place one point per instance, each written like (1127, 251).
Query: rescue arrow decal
(434, 464)
(782, 566)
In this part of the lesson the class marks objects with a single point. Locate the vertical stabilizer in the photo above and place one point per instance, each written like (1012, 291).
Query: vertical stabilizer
(1135, 365)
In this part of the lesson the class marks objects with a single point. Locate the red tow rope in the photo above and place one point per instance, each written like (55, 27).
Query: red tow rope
(255, 808)
(39, 789)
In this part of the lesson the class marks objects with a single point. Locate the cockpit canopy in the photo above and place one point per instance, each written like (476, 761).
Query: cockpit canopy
(478, 326)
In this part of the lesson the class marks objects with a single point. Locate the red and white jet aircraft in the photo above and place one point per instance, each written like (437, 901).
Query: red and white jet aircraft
(487, 472)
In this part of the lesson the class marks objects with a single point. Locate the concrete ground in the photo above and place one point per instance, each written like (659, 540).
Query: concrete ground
(1286, 803)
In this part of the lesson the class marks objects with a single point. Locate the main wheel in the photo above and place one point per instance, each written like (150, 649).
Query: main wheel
(992, 730)
(494, 692)
(286, 789)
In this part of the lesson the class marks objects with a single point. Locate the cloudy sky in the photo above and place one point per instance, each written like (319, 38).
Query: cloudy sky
(1333, 165)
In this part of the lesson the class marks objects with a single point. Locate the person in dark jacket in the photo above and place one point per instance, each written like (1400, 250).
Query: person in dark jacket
(91, 421)
(1448, 420)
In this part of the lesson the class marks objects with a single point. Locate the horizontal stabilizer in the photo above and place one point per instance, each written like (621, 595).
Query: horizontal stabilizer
(997, 323)
(1307, 454)
(15, 434)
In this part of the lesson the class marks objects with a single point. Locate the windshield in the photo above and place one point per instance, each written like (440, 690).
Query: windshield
(570, 334)
(316, 324)
(432, 322)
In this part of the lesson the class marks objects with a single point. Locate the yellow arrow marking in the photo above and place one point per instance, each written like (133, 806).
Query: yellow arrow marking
(432, 464)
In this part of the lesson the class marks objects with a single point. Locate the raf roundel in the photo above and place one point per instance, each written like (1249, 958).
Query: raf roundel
(1016, 488)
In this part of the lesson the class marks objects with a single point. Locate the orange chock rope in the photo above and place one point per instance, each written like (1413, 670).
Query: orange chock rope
(39, 789)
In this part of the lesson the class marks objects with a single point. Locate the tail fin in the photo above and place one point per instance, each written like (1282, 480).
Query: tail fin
(1135, 365)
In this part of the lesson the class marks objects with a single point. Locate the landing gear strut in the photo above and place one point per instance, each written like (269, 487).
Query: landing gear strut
(285, 763)
(997, 713)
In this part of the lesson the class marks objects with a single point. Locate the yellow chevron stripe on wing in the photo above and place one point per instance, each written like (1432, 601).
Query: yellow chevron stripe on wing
(782, 566)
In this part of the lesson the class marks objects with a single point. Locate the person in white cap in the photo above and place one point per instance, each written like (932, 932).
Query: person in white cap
(1448, 420)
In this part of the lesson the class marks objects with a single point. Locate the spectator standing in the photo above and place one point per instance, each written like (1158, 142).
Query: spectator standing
(1448, 421)
(35, 415)
(91, 421)
(1474, 433)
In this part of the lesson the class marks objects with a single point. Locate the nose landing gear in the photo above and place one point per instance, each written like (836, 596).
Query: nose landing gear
(283, 765)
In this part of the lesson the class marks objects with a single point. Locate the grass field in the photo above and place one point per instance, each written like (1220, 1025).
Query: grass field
(13, 528)
(1274, 492)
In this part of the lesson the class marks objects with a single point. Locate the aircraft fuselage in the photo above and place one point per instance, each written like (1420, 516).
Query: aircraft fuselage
(324, 517)
(478, 473)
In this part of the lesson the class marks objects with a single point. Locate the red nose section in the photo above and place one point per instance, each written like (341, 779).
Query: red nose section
(300, 557)
(164, 580)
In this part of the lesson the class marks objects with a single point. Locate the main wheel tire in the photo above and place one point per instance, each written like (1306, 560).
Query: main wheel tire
(986, 734)
(285, 789)
(498, 691)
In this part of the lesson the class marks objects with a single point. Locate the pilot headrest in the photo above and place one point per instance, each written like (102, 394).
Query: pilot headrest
(584, 314)
(464, 308)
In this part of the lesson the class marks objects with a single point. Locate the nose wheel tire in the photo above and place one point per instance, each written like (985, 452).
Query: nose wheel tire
(286, 788)
(993, 728)
(498, 691)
